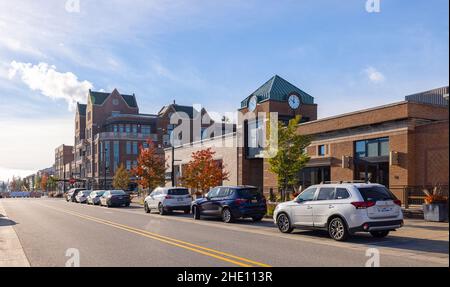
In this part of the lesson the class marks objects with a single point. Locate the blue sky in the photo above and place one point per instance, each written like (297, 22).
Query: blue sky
(210, 52)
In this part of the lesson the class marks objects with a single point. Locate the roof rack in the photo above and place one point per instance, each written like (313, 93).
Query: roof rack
(345, 181)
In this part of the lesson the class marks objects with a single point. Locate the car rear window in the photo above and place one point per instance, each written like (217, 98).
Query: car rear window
(178, 191)
(249, 193)
(117, 192)
(375, 193)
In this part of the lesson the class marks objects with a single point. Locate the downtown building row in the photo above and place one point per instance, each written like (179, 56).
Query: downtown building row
(109, 132)
(402, 145)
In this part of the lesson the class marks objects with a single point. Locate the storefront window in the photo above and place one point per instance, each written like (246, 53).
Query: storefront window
(372, 148)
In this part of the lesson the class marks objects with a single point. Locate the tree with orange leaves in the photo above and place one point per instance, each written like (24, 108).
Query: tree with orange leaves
(203, 172)
(150, 168)
(44, 181)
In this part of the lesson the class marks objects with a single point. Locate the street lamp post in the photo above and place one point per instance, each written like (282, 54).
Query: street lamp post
(104, 166)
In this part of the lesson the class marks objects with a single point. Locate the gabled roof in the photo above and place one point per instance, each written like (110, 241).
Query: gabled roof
(189, 110)
(98, 98)
(278, 89)
(81, 109)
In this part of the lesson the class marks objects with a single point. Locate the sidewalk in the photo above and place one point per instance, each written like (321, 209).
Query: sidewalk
(11, 251)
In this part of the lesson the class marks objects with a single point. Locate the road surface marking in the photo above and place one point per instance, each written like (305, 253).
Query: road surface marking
(240, 261)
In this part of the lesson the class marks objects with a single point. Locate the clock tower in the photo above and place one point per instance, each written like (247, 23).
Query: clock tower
(275, 96)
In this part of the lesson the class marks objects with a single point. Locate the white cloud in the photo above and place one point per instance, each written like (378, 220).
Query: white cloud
(51, 83)
(374, 75)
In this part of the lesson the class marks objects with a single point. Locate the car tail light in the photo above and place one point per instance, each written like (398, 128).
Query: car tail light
(398, 202)
(240, 201)
(168, 197)
(363, 204)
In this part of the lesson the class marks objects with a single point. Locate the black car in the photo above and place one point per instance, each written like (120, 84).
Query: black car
(230, 203)
(115, 198)
(70, 196)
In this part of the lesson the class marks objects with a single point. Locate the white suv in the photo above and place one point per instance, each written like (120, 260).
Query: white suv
(342, 209)
(167, 199)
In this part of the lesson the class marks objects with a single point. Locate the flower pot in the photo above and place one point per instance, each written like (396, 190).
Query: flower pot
(436, 212)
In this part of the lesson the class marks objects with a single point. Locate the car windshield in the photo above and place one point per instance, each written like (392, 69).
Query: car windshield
(117, 192)
(375, 193)
(100, 193)
(178, 191)
(249, 193)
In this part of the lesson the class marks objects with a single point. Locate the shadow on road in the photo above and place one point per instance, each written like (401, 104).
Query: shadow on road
(398, 242)
(6, 222)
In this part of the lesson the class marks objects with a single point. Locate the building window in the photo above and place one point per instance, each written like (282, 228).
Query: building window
(115, 102)
(145, 144)
(321, 150)
(116, 154)
(120, 128)
(372, 148)
(146, 130)
(115, 113)
(128, 128)
(128, 165)
(135, 129)
(115, 129)
(135, 147)
(128, 148)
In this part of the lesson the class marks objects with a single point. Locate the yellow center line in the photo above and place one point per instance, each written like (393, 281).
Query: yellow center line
(243, 262)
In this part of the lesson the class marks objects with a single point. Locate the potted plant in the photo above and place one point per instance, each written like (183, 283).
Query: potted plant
(436, 205)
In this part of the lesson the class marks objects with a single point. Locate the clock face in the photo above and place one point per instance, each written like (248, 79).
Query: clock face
(294, 101)
(252, 103)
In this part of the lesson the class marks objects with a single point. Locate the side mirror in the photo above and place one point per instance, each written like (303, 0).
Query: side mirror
(299, 200)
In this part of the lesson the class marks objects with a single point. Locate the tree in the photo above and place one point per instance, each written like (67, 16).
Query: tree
(291, 156)
(203, 172)
(121, 178)
(150, 168)
(44, 181)
(51, 183)
(37, 182)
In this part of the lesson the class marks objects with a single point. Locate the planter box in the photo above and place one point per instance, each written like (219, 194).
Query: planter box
(437, 212)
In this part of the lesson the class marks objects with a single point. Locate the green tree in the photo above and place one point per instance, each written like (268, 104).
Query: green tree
(290, 157)
(121, 178)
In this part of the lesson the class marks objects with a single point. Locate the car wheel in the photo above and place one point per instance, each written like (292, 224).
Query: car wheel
(146, 209)
(379, 234)
(127, 204)
(227, 217)
(196, 212)
(284, 223)
(257, 218)
(337, 229)
(161, 209)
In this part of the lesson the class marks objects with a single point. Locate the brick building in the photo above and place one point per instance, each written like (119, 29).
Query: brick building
(402, 145)
(63, 158)
(109, 131)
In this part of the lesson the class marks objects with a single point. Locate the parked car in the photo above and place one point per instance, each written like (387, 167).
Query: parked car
(115, 198)
(70, 195)
(94, 197)
(168, 199)
(342, 209)
(82, 196)
(230, 203)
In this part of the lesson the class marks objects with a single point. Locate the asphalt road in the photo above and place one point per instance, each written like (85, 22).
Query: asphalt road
(47, 228)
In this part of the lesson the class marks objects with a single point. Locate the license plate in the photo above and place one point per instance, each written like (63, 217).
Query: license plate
(385, 209)
(179, 199)
(254, 201)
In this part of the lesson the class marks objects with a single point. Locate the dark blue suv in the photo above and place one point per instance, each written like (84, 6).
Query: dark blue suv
(231, 202)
